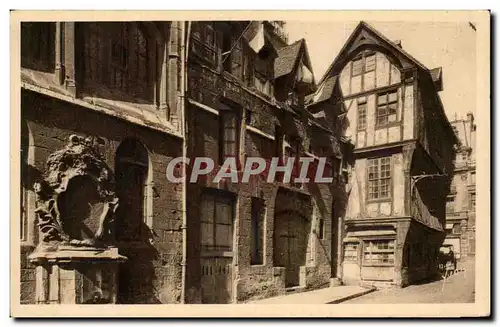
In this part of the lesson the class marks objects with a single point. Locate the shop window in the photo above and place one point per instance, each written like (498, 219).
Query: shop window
(378, 252)
(351, 252)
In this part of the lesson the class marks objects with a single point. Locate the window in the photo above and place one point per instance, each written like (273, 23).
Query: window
(232, 55)
(131, 169)
(257, 235)
(321, 229)
(387, 105)
(357, 66)
(121, 57)
(379, 178)
(216, 222)
(378, 252)
(370, 63)
(362, 114)
(351, 252)
(450, 203)
(456, 228)
(38, 45)
(248, 117)
(364, 63)
(204, 42)
(472, 200)
(473, 178)
(228, 135)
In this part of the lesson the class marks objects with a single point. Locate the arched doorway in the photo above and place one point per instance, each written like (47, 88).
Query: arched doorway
(132, 176)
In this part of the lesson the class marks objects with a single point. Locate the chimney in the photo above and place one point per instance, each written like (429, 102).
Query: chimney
(398, 43)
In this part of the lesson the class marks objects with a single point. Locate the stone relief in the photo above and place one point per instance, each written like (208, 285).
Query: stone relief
(61, 195)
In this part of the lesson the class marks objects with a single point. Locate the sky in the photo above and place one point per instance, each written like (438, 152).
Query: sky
(437, 44)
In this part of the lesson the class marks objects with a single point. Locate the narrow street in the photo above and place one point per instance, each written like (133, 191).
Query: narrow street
(458, 288)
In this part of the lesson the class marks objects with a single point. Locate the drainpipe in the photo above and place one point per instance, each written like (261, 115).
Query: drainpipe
(182, 96)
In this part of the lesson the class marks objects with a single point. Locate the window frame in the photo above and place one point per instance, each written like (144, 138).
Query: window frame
(448, 202)
(212, 47)
(379, 178)
(117, 63)
(386, 106)
(223, 114)
(363, 103)
(472, 200)
(221, 198)
(362, 59)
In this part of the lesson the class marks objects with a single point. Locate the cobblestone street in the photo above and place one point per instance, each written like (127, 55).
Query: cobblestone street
(458, 288)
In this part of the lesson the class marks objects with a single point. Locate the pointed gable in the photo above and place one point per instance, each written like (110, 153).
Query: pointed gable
(365, 36)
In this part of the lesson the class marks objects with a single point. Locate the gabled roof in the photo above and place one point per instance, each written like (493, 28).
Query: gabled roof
(392, 45)
(287, 57)
(324, 92)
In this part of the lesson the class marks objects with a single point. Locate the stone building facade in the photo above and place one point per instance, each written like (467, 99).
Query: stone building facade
(105, 106)
(386, 103)
(258, 239)
(461, 202)
(116, 83)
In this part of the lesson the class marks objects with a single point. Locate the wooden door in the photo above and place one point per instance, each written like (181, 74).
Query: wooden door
(290, 245)
(216, 280)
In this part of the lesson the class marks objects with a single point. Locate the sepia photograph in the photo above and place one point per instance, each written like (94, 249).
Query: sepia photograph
(323, 164)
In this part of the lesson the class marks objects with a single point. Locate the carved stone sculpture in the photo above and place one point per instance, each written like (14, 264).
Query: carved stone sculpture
(77, 169)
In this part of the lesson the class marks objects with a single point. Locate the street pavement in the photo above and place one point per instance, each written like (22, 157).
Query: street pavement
(459, 288)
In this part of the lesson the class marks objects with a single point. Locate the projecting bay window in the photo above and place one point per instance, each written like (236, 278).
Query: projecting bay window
(379, 178)
(387, 106)
(378, 252)
(216, 222)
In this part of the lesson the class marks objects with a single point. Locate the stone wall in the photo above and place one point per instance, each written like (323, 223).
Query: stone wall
(157, 270)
